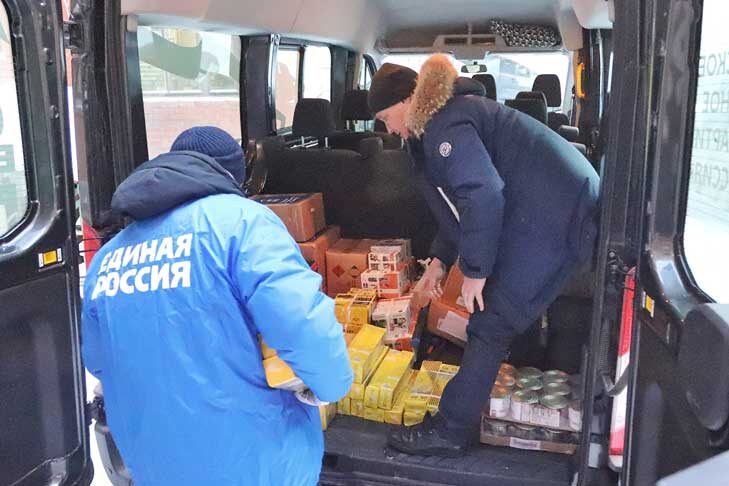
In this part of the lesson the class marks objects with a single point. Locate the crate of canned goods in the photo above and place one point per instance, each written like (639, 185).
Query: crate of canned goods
(532, 397)
(530, 437)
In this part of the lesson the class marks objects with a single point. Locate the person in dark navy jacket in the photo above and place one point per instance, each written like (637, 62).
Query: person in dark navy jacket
(516, 207)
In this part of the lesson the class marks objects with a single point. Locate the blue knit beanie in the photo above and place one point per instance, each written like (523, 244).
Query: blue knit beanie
(215, 143)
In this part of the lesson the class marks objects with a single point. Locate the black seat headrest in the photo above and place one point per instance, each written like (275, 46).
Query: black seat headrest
(550, 85)
(556, 120)
(470, 86)
(313, 118)
(533, 107)
(380, 126)
(531, 95)
(569, 133)
(488, 82)
(354, 106)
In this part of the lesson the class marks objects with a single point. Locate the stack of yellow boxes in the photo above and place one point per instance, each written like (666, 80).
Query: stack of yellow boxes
(354, 309)
(426, 390)
(387, 383)
(366, 351)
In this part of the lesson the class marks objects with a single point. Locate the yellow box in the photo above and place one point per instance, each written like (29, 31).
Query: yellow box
(280, 375)
(357, 408)
(357, 391)
(266, 351)
(374, 414)
(394, 416)
(364, 351)
(327, 414)
(343, 406)
(388, 379)
(412, 418)
(354, 308)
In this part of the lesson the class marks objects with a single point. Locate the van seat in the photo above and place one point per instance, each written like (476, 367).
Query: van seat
(313, 118)
(355, 108)
(489, 83)
(534, 107)
(551, 86)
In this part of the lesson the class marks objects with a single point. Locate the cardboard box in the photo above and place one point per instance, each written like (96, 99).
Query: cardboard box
(354, 309)
(357, 391)
(389, 379)
(315, 251)
(346, 260)
(303, 214)
(452, 288)
(357, 408)
(385, 261)
(509, 439)
(410, 418)
(394, 416)
(428, 386)
(394, 244)
(280, 375)
(387, 284)
(374, 414)
(529, 445)
(364, 351)
(327, 413)
(344, 406)
(448, 321)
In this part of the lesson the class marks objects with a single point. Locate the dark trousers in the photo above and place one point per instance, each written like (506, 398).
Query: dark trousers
(463, 400)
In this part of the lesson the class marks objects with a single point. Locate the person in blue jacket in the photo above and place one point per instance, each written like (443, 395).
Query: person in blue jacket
(516, 206)
(173, 306)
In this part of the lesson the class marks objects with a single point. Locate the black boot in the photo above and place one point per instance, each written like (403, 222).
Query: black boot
(429, 438)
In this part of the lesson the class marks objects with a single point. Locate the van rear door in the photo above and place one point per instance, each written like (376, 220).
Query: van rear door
(43, 432)
(669, 154)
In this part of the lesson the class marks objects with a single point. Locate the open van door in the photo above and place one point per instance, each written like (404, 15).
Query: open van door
(668, 214)
(43, 428)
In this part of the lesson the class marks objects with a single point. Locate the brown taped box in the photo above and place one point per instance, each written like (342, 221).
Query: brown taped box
(448, 321)
(452, 288)
(315, 251)
(303, 214)
(530, 445)
(346, 260)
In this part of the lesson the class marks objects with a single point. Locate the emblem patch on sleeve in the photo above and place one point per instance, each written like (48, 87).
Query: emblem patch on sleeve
(445, 149)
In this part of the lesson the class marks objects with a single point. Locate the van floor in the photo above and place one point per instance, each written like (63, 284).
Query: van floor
(356, 453)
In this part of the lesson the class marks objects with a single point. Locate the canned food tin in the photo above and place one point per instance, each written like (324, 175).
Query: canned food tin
(553, 435)
(575, 415)
(556, 376)
(529, 372)
(497, 427)
(555, 402)
(555, 388)
(522, 402)
(507, 369)
(500, 402)
(507, 381)
(533, 384)
(526, 432)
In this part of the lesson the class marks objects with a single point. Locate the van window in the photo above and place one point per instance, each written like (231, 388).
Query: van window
(318, 72)
(287, 86)
(13, 185)
(512, 72)
(706, 229)
(365, 74)
(188, 78)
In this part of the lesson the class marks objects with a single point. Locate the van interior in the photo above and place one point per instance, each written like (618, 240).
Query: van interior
(289, 79)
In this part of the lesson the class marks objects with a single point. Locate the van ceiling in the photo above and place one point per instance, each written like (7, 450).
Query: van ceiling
(352, 23)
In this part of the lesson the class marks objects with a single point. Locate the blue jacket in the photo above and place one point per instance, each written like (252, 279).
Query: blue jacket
(524, 201)
(173, 305)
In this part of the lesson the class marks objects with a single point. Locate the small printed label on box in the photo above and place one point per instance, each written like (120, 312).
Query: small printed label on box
(531, 445)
